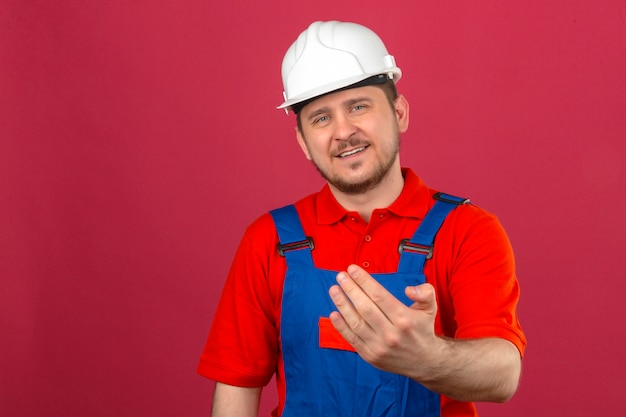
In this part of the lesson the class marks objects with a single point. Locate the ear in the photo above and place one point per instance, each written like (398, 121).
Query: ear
(402, 113)
(302, 144)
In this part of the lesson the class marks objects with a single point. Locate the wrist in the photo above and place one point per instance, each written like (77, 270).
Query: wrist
(435, 363)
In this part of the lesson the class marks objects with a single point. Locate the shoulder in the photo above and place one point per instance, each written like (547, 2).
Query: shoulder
(261, 228)
(473, 233)
(471, 218)
(262, 233)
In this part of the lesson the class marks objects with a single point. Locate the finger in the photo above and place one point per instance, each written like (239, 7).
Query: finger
(349, 312)
(371, 298)
(424, 298)
(345, 331)
(347, 320)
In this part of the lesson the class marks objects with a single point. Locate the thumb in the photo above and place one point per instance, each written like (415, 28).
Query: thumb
(423, 296)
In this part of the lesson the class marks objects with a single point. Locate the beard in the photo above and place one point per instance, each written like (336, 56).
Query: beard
(372, 180)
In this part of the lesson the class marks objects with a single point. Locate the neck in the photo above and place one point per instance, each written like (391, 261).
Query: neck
(381, 196)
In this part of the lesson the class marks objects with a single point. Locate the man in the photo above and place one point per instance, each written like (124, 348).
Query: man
(347, 296)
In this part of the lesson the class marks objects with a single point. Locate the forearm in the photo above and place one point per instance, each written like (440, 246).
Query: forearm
(230, 401)
(473, 370)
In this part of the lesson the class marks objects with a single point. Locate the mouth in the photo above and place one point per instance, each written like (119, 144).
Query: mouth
(352, 152)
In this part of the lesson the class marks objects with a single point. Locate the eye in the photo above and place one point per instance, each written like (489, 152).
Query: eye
(320, 119)
(358, 107)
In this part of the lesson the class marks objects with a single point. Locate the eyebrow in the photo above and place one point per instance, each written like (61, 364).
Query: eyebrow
(347, 103)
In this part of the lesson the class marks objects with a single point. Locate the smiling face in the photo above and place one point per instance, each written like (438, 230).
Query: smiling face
(353, 137)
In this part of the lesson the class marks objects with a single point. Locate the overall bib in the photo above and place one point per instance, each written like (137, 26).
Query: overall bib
(323, 376)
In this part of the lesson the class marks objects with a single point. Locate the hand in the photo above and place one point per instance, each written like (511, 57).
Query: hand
(400, 339)
(385, 332)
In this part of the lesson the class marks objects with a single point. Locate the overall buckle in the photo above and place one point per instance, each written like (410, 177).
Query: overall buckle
(407, 246)
(307, 243)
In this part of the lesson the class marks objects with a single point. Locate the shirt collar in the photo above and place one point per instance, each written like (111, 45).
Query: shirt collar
(413, 201)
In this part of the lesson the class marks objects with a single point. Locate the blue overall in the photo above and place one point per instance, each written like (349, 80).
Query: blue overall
(335, 382)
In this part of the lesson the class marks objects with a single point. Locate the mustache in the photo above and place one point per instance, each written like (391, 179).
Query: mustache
(352, 142)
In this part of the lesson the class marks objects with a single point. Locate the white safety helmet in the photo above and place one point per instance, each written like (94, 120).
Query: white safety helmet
(329, 56)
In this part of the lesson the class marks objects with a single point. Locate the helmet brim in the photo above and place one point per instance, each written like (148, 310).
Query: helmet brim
(393, 73)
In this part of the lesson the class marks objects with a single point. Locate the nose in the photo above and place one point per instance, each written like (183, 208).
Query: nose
(344, 128)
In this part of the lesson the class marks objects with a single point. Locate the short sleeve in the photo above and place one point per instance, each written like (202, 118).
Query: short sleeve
(481, 287)
(242, 346)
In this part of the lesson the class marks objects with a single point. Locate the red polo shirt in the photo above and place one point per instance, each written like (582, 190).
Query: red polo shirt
(472, 270)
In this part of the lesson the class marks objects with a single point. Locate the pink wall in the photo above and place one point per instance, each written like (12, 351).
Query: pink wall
(138, 139)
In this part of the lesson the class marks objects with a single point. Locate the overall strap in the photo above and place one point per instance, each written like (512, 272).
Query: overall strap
(415, 251)
(293, 241)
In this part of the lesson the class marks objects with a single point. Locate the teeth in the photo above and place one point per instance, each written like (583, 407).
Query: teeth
(352, 152)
